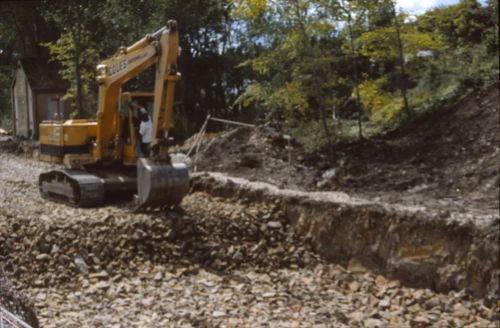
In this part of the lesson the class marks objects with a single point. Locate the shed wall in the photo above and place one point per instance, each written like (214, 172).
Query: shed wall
(21, 105)
(47, 106)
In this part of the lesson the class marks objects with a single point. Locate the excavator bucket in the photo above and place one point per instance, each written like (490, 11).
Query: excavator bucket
(160, 184)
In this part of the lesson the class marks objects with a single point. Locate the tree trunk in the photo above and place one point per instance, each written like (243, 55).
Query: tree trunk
(76, 38)
(327, 132)
(402, 66)
(355, 73)
(307, 48)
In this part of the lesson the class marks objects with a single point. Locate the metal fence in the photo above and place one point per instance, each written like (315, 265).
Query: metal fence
(9, 320)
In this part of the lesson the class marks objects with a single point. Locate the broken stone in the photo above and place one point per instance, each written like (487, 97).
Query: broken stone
(81, 265)
(218, 314)
(99, 275)
(384, 304)
(354, 286)
(147, 302)
(460, 310)
(102, 285)
(217, 268)
(274, 224)
(373, 323)
(43, 257)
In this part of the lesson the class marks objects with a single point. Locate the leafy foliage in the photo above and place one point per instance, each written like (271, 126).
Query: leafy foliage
(63, 51)
(317, 69)
(383, 105)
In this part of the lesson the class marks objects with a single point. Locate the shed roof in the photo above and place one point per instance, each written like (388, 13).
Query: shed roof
(43, 75)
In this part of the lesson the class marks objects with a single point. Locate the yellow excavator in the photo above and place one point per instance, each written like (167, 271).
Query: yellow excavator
(100, 156)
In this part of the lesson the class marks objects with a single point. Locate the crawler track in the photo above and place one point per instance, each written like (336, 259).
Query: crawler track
(72, 187)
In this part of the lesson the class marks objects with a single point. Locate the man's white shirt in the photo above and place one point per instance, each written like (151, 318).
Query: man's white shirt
(146, 131)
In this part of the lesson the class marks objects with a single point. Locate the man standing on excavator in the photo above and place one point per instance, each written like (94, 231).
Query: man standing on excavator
(146, 132)
(145, 135)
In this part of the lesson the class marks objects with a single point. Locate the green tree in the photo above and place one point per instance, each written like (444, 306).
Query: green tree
(76, 49)
(392, 49)
(459, 25)
(299, 66)
(353, 14)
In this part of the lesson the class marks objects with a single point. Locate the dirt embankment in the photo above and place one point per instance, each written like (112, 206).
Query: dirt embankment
(451, 154)
(446, 159)
(420, 248)
(444, 166)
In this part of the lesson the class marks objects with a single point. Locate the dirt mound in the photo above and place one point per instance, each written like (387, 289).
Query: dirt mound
(450, 154)
(260, 154)
(16, 302)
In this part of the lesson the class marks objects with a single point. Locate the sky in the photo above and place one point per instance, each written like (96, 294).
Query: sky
(419, 6)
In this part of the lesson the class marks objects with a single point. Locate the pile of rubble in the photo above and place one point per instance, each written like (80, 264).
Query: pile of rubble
(67, 242)
(260, 154)
(319, 296)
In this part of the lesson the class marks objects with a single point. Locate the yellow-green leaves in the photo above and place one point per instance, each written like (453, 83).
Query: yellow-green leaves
(291, 95)
(248, 9)
(260, 65)
(383, 105)
(381, 44)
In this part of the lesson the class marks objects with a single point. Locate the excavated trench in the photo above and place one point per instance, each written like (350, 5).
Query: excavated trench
(242, 253)
(439, 250)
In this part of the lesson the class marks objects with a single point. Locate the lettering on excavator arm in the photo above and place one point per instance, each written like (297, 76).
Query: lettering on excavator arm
(116, 68)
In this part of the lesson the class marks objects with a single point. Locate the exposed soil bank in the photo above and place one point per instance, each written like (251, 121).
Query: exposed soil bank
(439, 250)
(449, 155)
